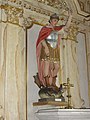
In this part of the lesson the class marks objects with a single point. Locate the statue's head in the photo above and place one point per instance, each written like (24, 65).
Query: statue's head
(54, 18)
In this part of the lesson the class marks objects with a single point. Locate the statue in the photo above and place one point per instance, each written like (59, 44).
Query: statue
(48, 58)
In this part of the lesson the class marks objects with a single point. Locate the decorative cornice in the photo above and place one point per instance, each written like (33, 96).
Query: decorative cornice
(16, 16)
(16, 11)
(25, 13)
(72, 32)
(84, 5)
(12, 13)
(79, 11)
(29, 6)
(60, 4)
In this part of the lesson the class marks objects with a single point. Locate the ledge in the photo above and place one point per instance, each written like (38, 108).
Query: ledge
(53, 103)
(63, 114)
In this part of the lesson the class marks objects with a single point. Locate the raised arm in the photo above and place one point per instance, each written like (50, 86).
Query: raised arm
(69, 20)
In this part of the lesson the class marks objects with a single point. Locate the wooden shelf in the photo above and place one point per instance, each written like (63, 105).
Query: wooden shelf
(53, 103)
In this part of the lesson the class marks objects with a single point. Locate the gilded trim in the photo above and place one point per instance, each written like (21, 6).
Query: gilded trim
(80, 9)
(83, 9)
(29, 6)
(14, 15)
(59, 4)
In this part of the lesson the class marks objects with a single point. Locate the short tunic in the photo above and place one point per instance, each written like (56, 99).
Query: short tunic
(54, 50)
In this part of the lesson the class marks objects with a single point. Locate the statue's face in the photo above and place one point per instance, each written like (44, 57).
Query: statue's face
(54, 22)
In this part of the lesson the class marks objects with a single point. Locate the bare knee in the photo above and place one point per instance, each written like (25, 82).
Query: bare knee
(57, 66)
(46, 69)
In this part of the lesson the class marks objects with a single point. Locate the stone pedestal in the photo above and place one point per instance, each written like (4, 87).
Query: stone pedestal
(62, 114)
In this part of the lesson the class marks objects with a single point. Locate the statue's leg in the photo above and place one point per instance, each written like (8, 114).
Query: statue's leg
(54, 68)
(46, 73)
(54, 81)
(47, 81)
(54, 72)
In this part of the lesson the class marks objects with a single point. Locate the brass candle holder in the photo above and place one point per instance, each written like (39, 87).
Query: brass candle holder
(68, 86)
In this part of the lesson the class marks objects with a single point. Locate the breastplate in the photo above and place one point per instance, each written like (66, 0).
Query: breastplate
(52, 39)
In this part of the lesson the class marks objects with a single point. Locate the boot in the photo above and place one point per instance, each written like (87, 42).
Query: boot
(54, 84)
(54, 81)
(47, 81)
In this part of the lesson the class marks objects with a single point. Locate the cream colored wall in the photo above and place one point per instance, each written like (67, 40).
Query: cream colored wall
(2, 71)
(82, 67)
(74, 67)
(13, 72)
(88, 57)
(32, 91)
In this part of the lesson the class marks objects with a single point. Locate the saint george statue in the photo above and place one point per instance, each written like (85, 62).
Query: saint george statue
(48, 52)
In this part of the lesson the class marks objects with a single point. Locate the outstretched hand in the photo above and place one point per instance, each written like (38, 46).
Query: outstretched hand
(69, 12)
(69, 19)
